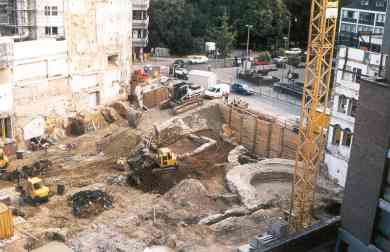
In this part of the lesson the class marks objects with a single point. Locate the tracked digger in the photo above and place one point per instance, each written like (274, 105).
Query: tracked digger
(146, 161)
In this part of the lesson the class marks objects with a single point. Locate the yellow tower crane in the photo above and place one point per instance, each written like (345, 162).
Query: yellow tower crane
(313, 123)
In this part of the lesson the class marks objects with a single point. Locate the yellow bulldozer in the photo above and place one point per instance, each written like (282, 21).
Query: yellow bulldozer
(33, 190)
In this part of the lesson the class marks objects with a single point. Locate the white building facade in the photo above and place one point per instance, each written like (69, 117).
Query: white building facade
(58, 78)
(351, 64)
(140, 28)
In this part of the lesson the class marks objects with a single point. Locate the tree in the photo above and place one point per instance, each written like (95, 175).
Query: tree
(223, 35)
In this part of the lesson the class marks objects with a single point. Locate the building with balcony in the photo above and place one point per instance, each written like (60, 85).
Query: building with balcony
(140, 28)
(352, 64)
(362, 24)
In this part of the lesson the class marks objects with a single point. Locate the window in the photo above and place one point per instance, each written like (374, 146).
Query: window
(3, 9)
(54, 11)
(352, 106)
(357, 74)
(347, 138)
(366, 18)
(5, 127)
(347, 27)
(47, 10)
(342, 104)
(381, 18)
(48, 30)
(336, 139)
(51, 30)
(380, 3)
(378, 30)
(364, 2)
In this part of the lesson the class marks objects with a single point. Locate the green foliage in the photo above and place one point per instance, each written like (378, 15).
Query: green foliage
(223, 35)
(184, 25)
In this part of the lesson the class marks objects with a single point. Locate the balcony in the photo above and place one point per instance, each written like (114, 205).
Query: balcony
(140, 42)
(141, 24)
(141, 4)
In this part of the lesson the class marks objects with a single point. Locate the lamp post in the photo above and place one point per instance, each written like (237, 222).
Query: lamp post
(247, 42)
(289, 30)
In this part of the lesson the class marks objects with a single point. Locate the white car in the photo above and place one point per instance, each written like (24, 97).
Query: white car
(217, 91)
(294, 51)
(280, 59)
(197, 59)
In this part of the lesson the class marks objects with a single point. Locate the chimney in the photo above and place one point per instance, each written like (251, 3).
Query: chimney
(386, 44)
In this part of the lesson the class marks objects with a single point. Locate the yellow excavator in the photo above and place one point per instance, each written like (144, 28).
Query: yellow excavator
(33, 190)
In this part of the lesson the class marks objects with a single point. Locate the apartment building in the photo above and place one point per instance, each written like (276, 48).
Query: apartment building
(140, 28)
(352, 64)
(362, 23)
(56, 77)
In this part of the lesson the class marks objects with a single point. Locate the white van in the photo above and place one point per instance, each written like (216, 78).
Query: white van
(217, 91)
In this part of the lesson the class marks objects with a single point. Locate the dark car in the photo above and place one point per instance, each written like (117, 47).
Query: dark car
(241, 89)
(180, 63)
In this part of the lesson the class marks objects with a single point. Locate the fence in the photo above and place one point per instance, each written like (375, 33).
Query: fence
(263, 135)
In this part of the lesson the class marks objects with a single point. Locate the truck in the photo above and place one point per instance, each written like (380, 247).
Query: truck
(202, 78)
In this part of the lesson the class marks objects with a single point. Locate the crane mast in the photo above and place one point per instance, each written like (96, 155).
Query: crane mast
(313, 122)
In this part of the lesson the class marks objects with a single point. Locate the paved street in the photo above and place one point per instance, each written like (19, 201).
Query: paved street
(265, 100)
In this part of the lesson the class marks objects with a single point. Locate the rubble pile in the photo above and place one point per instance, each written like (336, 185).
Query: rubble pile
(89, 203)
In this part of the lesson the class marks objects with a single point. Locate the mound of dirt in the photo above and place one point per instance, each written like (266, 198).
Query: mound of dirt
(188, 201)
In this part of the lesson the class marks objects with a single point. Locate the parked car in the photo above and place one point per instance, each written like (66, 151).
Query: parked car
(181, 73)
(179, 62)
(241, 89)
(217, 91)
(197, 59)
(294, 51)
(280, 59)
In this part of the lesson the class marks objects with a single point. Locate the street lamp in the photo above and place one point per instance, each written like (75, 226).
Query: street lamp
(247, 42)
(289, 30)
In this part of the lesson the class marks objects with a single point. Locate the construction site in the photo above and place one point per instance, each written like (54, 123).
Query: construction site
(98, 154)
(231, 182)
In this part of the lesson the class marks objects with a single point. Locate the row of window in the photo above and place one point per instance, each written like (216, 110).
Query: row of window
(367, 18)
(51, 11)
(360, 28)
(347, 106)
(378, 3)
(140, 15)
(340, 136)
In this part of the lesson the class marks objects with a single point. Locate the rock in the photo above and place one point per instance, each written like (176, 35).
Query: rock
(227, 225)
(212, 219)
(117, 180)
(134, 117)
(56, 234)
(158, 249)
(234, 155)
(236, 212)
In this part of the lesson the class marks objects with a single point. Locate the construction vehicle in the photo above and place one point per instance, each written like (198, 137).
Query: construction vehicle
(3, 161)
(183, 96)
(144, 162)
(313, 123)
(33, 190)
